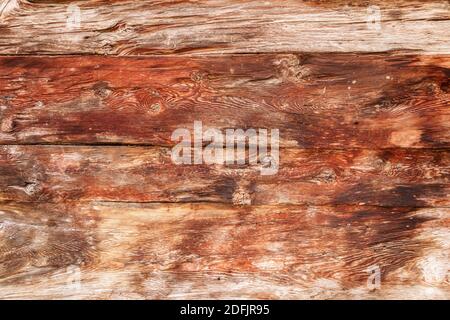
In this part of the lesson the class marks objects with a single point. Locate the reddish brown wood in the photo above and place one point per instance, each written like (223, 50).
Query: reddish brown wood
(326, 100)
(91, 205)
(126, 250)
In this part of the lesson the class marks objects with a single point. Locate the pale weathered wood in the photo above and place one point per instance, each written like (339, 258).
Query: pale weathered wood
(126, 250)
(322, 100)
(222, 26)
(397, 177)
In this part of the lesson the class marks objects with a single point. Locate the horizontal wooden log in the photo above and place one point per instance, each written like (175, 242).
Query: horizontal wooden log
(398, 177)
(191, 251)
(92, 206)
(315, 100)
(124, 27)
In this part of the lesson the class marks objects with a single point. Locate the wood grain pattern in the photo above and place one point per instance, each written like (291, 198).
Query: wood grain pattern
(325, 100)
(222, 26)
(414, 178)
(197, 250)
(92, 207)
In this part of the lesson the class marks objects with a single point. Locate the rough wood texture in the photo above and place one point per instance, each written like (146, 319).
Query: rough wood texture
(324, 100)
(217, 251)
(91, 205)
(138, 174)
(222, 26)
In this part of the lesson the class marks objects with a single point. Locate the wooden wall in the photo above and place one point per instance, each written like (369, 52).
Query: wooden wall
(92, 207)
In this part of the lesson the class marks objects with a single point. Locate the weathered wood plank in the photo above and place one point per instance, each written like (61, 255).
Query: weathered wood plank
(222, 26)
(323, 100)
(398, 177)
(217, 251)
